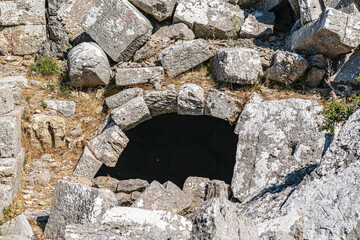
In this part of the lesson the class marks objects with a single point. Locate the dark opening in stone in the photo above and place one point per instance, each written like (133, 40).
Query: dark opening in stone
(174, 147)
(284, 17)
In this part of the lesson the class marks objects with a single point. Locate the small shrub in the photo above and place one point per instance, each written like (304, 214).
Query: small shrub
(43, 105)
(46, 66)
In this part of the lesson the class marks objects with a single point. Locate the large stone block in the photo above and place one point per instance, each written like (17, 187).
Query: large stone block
(210, 18)
(88, 65)
(310, 10)
(16, 84)
(132, 76)
(118, 27)
(108, 146)
(18, 226)
(6, 99)
(9, 136)
(131, 113)
(159, 9)
(346, 6)
(161, 102)
(348, 71)
(332, 34)
(75, 203)
(87, 166)
(191, 99)
(123, 97)
(238, 65)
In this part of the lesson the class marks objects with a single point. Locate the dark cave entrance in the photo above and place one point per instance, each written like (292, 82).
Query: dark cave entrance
(284, 17)
(174, 147)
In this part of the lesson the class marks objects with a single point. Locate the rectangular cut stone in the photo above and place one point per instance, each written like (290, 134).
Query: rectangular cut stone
(161, 102)
(17, 113)
(131, 76)
(87, 166)
(6, 99)
(118, 27)
(108, 146)
(9, 136)
(123, 97)
(346, 6)
(184, 56)
(16, 84)
(191, 100)
(131, 113)
(310, 10)
(21, 40)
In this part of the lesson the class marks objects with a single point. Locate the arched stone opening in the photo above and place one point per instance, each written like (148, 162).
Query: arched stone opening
(173, 147)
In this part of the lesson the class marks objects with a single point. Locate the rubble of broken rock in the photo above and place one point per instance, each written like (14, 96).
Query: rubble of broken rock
(179, 119)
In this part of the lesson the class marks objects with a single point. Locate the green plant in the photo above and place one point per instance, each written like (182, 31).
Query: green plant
(28, 99)
(235, 22)
(43, 105)
(46, 66)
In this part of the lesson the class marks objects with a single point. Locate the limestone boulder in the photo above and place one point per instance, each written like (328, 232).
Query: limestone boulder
(237, 65)
(108, 146)
(132, 76)
(161, 102)
(210, 18)
(118, 27)
(195, 187)
(65, 108)
(310, 10)
(258, 25)
(88, 65)
(184, 56)
(74, 203)
(16, 85)
(191, 99)
(123, 97)
(348, 71)
(6, 99)
(87, 166)
(18, 226)
(132, 185)
(160, 10)
(346, 6)
(276, 138)
(9, 136)
(314, 77)
(217, 189)
(22, 12)
(287, 67)
(106, 182)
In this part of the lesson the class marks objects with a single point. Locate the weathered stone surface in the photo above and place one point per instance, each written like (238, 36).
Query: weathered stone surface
(217, 189)
(22, 12)
(131, 76)
(123, 97)
(210, 18)
(88, 65)
(159, 9)
(66, 108)
(276, 138)
(237, 65)
(346, 6)
(314, 77)
(21, 40)
(73, 203)
(247, 2)
(132, 185)
(319, 61)
(18, 226)
(108, 146)
(184, 56)
(219, 218)
(332, 34)
(87, 166)
(54, 6)
(13, 237)
(191, 99)
(131, 113)
(310, 10)
(162, 39)
(347, 71)
(258, 25)
(221, 105)
(106, 182)
(9, 136)
(6, 100)
(161, 102)
(287, 67)
(47, 131)
(118, 27)
(195, 187)
(16, 84)
(133, 224)
(167, 197)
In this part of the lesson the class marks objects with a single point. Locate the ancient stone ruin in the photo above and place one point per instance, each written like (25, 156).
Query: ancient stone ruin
(179, 119)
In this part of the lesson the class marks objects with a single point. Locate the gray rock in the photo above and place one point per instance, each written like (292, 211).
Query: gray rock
(22, 12)
(237, 65)
(54, 6)
(347, 71)
(346, 6)
(310, 10)
(132, 76)
(161, 102)
(167, 197)
(191, 99)
(210, 18)
(160, 10)
(258, 25)
(276, 138)
(131, 114)
(108, 146)
(184, 56)
(332, 34)
(319, 61)
(247, 2)
(124, 199)
(132, 185)
(18, 226)
(124, 223)
(74, 203)
(221, 105)
(6, 100)
(66, 108)
(9, 136)
(118, 27)
(287, 67)
(217, 189)
(195, 187)
(219, 218)
(87, 166)
(314, 77)
(123, 97)
(106, 182)
(16, 84)
(88, 65)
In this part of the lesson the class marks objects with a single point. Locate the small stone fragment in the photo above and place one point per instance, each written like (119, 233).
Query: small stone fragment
(217, 189)
(195, 187)
(132, 185)
(258, 25)
(106, 182)
(314, 77)
(66, 108)
(159, 9)
(87, 166)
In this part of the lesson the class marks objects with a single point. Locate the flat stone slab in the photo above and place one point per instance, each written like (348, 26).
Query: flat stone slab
(66, 108)
(132, 76)
(87, 166)
(184, 56)
(191, 99)
(237, 65)
(159, 9)
(131, 113)
(108, 146)
(161, 102)
(118, 27)
(123, 97)
(210, 18)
